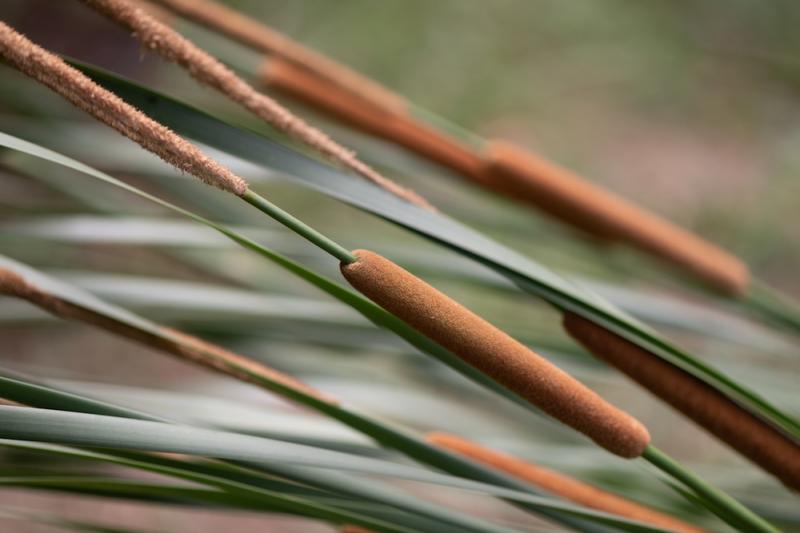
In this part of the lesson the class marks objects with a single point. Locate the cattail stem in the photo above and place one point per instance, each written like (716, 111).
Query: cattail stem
(752, 437)
(559, 484)
(728, 508)
(493, 352)
(299, 227)
(776, 308)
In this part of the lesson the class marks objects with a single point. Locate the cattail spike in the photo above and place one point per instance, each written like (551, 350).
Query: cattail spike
(399, 128)
(495, 353)
(207, 70)
(559, 484)
(752, 437)
(519, 174)
(105, 106)
(177, 343)
(303, 85)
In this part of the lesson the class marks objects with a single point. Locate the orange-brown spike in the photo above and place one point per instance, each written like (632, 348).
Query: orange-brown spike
(559, 484)
(492, 351)
(307, 87)
(400, 128)
(521, 175)
(752, 437)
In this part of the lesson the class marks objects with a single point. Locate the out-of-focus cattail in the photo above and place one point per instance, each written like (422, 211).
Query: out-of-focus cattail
(305, 86)
(559, 484)
(521, 175)
(399, 128)
(171, 341)
(262, 38)
(175, 48)
(495, 353)
(108, 108)
(752, 437)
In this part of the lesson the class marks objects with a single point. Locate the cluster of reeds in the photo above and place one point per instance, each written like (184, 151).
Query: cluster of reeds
(402, 302)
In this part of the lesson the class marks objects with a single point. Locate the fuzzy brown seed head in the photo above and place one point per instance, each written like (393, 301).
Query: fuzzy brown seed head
(559, 484)
(522, 175)
(754, 438)
(495, 353)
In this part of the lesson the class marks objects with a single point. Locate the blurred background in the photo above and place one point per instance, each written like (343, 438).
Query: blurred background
(690, 108)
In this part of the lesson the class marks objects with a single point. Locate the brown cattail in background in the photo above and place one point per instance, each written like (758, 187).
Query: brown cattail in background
(175, 48)
(399, 128)
(519, 174)
(559, 484)
(108, 108)
(180, 344)
(754, 438)
(495, 353)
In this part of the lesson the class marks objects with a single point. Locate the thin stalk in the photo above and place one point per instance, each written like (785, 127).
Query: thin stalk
(298, 226)
(721, 504)
(775, 308)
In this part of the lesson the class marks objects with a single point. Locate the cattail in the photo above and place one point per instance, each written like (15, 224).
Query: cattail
(751, 436)
(495, 353)
(521, 175)
(264, 39)
(108, 108)
(559, 484)
(179, 344)
(173, 47)
(305, 86)
(399, 128)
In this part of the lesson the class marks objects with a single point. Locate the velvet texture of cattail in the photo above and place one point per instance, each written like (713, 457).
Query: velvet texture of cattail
(559, 484)
(519, 174)
(179, 344)
(172, 46)
(495, 353)
(751, 436)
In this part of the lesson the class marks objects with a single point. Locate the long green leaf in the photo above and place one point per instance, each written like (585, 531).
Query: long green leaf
(529, 275)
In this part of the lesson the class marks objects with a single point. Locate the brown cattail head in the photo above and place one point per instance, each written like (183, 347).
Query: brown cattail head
(752, 437)
(262, 38)
(521, 175)
(172, 46)
(495, 353)
(171, 341)
(559, 484)
(305, 86)
(108, 108)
